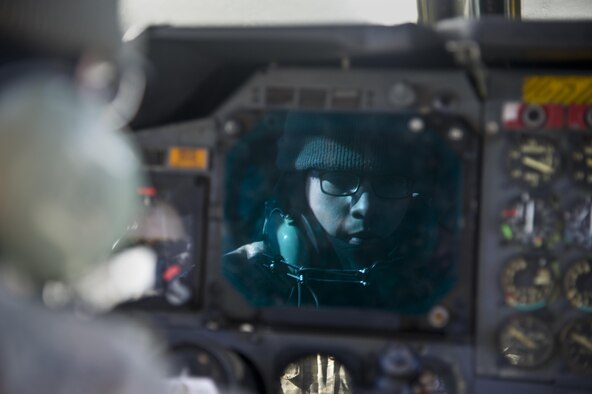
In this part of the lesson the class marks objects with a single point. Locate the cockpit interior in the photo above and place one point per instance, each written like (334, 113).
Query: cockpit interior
(369, 207)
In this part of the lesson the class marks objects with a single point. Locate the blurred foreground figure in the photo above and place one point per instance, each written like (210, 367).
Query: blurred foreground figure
(69, 180)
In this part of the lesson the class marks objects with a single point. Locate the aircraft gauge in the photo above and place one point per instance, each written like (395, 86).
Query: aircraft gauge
(531, 222)
(436, 377)
(526, 341)
(529, 282)
(576, 345)
(533, 161)
(578, 224)
(577, 285)
(581, 160)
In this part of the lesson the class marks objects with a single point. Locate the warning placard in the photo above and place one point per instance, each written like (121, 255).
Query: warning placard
(553, 89)
(188, 158)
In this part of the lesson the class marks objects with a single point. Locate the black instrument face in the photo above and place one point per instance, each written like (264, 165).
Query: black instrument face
(577, 285)
(530, 221)
(581, 161)
(430, 381)
(437, 377)
(578, 224)
(526, 341)
(529, 282)
(576, 345)
(533, 162)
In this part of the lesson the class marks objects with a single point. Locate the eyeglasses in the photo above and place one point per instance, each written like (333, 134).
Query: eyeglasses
(343, 183)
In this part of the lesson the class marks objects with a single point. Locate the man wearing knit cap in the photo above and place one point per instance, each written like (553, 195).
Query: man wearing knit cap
(350, 223)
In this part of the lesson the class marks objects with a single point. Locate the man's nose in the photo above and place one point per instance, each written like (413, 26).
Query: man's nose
(362, 201)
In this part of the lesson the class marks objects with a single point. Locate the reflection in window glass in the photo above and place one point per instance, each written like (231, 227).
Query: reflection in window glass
(170, 214)
(318, 374)
(342, 210)
(161, 228)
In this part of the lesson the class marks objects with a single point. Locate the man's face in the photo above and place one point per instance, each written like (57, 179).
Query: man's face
(360, 219)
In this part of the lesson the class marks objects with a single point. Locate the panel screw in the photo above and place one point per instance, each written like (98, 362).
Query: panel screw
(456, 134)
(438, 317)
(416, 125)
(231, 127)
(491, 128)
(246, 327)
(401, 94)
(445, 102)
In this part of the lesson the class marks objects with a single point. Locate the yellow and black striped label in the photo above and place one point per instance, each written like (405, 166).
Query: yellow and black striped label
(553, 89)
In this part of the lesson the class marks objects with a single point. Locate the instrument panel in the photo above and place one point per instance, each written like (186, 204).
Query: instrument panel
(519, 319)
(534, 233)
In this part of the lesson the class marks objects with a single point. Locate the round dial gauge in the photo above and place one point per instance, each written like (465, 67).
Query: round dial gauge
(529, 282)
(577, 285)
(581, 161)
(526, 341)
(436, 377)
(533, 161)
(576, 345)
(578, 224)
(192, 360)
(530, 221)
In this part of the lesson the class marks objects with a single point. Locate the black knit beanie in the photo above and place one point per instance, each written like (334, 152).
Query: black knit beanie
(351, 142)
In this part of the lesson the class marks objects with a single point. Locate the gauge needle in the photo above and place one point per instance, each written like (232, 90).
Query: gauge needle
(526, 341)
(537, 165)
(543, 277)
(529, 222)
(582, 340)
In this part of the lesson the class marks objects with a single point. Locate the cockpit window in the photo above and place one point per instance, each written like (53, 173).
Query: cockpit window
(265, 12)
(138, 14)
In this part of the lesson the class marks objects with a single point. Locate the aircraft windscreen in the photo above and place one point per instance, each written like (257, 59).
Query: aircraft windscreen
(343, 210)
